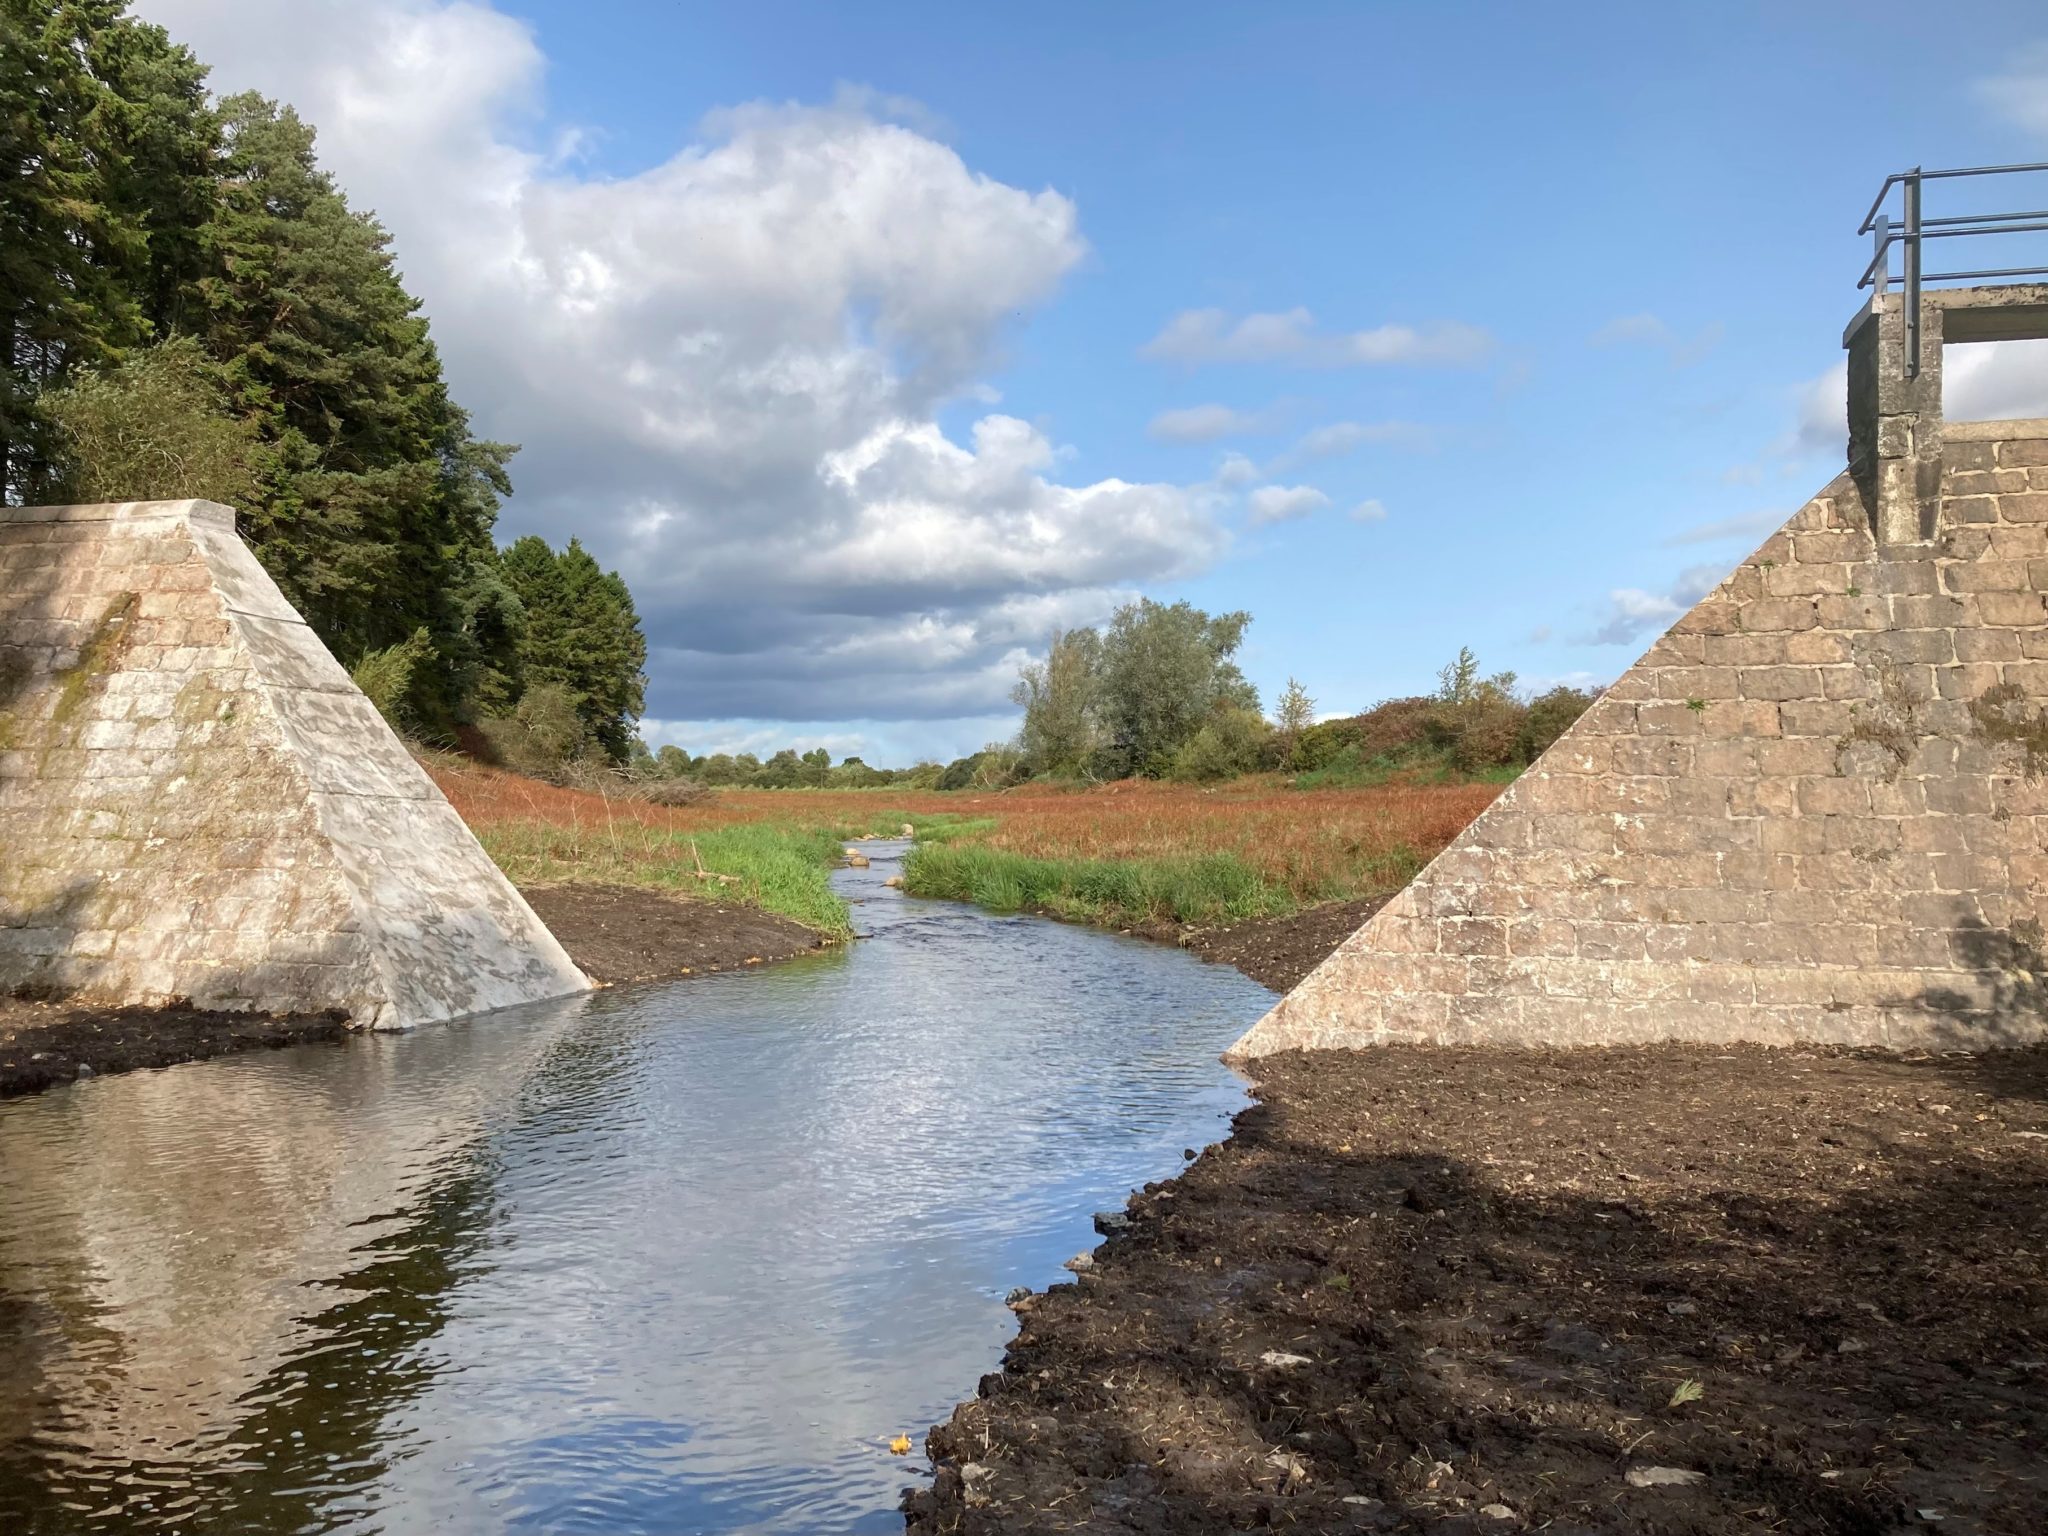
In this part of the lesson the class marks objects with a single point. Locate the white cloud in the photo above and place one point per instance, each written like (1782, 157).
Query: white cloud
(1980, 381)
(1283, 503)
(1651, 331)
(1206, 423)
(1342, 437)
(1995, 380)
(726, 369)
(1236, 472)
(1633, 612)
(1196, 336)
(2020, 94)
(1373, 511)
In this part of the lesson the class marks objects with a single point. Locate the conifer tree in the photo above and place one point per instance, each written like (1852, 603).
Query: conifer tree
(581, 632)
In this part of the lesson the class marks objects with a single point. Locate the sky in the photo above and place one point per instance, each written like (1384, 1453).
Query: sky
(873, 343)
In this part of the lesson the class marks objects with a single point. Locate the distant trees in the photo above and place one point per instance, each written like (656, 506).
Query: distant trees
(1061, 731)
(1133, 698)
(1473, 725)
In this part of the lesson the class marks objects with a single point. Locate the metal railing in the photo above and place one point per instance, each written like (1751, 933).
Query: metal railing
(1913, 230)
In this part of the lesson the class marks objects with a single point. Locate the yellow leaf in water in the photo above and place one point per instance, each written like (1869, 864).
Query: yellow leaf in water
(900, 1446)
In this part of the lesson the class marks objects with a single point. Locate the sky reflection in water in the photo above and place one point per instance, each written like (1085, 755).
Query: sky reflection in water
(676, 1258)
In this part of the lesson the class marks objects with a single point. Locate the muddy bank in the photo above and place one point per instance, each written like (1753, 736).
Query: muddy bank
(613, 933)
(42, 1044)
(1276, 952)
(618, 933)
(1453, 1290)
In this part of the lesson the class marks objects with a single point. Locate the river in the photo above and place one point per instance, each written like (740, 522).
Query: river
(669, 1258)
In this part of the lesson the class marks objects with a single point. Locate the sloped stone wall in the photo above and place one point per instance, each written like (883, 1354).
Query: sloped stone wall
(197, 803)
(1810, 812)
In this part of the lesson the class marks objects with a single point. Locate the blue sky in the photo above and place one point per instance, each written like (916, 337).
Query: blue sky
(1536, 295)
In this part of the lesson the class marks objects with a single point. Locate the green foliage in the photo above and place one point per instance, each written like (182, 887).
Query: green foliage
(581, 634)
(1128, 700)
(386, 677)
(1164, 670)
(1473, 727)
(153, 427)
(1231, 742)
(1549, 716)
(105, 141)
(1206, 888)
(1061, 734)
(188, 306)
(544, 738)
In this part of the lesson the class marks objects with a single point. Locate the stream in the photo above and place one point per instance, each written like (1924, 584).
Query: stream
(669, 1258)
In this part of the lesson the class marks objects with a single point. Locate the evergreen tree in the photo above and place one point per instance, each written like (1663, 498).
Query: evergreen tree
(104, 178)
(377, 504)
(582, 634)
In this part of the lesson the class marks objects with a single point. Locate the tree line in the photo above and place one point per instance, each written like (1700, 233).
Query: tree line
(1157, 694)
(189, 307)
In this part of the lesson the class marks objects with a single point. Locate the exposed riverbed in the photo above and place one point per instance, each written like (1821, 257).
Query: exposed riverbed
(667, 1258)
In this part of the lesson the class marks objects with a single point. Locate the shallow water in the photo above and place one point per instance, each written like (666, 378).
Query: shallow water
(668, 1258)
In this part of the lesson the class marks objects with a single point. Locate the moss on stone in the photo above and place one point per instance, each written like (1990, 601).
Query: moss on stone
(2001, 717)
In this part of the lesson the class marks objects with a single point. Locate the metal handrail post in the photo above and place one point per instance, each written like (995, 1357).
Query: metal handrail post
(1912, 263)
(1879, 273)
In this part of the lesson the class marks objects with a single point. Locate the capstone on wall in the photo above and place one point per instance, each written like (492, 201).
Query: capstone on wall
(1813, 811)
(197, 803)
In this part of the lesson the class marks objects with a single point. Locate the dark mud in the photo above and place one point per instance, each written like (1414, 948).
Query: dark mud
(1459, 1290)
(43, 1044)
(618, 933)
(1277, 952)
(614, 934)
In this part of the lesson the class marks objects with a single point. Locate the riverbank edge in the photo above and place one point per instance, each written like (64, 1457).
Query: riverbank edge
(1474, 1289)
(616, 935)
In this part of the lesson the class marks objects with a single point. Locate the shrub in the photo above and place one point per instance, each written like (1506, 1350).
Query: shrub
(1550, 715)
(386, 678)
(1230, 742)
(675, 792)
(543, 737)
(156, 427)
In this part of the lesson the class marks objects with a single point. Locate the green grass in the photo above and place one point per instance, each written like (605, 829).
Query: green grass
(1209, 888)
(1348, 771)
(782, 866)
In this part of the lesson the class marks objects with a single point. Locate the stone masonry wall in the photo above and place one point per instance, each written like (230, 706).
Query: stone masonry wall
(197, 803)
(1812, 811)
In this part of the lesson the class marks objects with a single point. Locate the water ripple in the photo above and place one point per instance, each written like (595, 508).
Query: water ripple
(669, 1258)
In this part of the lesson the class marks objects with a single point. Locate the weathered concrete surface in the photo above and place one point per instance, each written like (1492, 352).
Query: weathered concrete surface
(197, 803)
(1811, 812)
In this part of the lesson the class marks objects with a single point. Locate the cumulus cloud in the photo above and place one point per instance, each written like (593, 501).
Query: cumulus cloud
(2019, 94)
(1197, 336)
(1980, 381)
(1284, 503)
(1206, 423)
(726, 369)
(1373, 511)
(1633, 612)
(1651, 331)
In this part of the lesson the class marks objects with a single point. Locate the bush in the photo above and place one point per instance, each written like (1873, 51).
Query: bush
(156, 428)
(674, 792)
(386, 678)
(543, 738)
(1230, 742)
(1549, 717)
